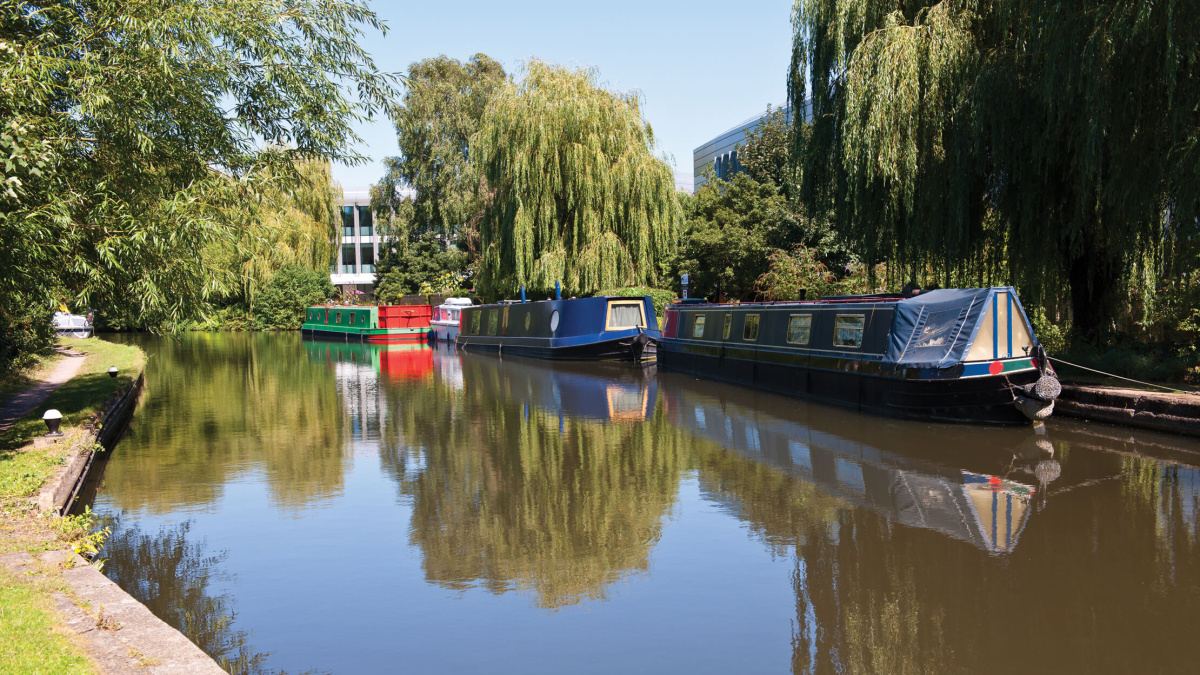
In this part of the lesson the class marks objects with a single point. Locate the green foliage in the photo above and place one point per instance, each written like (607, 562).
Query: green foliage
(661, 297)
(575, 192)
(791, 274)
(426, 261)
(280, 306)
(766, 154)
(443, 106)
(25, 331)
(138, 135)
(1060, 141)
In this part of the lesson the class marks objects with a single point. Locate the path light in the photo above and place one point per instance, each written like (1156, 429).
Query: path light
(52, 418)
(112, 372)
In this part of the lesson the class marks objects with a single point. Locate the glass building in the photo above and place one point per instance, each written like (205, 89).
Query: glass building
(722, 152)
(354, 267)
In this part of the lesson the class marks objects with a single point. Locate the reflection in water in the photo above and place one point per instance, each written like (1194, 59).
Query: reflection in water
(171, 574)
(896, 546)
(517, 482)
(221, 404)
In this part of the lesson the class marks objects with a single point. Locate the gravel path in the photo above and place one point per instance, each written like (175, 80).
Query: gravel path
(25, 402)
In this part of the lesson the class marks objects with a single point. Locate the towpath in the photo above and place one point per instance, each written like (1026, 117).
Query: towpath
(23, 403)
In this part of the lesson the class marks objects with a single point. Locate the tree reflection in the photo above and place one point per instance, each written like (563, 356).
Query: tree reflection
(218, 404)
(509, 495)
(173, 577)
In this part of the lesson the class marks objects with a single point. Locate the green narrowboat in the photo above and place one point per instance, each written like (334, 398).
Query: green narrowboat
(384, 323)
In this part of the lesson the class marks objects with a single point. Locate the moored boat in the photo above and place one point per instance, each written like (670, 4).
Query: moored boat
(72, 325)
(383, 323)
(966, 355)
(445, 321)
(602, 328)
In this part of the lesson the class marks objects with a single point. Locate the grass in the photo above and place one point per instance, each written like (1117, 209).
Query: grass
(30, 640)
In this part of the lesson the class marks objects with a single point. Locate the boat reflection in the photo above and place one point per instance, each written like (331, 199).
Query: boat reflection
(918, 480)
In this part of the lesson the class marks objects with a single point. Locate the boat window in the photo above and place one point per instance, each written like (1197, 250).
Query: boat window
(623, 315)
(728, 326)
(698, 326)
(493, 321)
(339, 317)
(750, 332)
(528, 318)
(475, 322)
(554, 321)
(504, 322)
(848, 330)
(352, 315)
(799, 328)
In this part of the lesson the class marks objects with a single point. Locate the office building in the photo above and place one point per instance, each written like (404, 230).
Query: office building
(722, 151)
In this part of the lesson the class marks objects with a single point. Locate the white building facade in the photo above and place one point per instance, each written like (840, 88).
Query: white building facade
(722, 151)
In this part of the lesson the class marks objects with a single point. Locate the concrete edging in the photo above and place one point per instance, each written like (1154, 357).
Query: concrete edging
(1177, 414)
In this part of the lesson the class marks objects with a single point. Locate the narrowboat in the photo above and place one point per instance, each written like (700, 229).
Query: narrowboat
(964, 355)
(444, 323)
(603, 328)
(384, 323)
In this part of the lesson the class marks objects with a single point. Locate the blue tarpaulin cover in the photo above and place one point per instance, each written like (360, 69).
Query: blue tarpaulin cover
(935, 329)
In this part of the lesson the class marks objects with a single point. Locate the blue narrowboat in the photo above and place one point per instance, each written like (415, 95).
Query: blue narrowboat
(966, 355)
(603, 328)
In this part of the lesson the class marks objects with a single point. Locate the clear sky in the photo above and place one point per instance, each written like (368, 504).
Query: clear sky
(702, 67)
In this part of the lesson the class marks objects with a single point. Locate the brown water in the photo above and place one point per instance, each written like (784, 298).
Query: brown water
(308, 506)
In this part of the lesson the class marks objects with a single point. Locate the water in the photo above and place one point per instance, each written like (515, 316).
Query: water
(317, 507)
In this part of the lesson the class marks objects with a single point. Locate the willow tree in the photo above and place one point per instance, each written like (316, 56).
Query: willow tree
(1053, 144)
(136, 132)
(575, 192)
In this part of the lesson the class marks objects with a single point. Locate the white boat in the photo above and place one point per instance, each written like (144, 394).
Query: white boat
(72, 325)
(446, 317)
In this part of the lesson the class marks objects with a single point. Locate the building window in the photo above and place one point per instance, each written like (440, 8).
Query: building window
(848, 330)
(347, 221)
(750, 332)
(367, 257)
(348, 261)
(799, 328)
(698, 326)
(728, 326)
(365, 224)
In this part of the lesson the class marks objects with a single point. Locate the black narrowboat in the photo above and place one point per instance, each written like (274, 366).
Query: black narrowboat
(963, 355)
(603, 328)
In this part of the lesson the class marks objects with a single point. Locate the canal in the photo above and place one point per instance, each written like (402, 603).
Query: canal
(319, 507)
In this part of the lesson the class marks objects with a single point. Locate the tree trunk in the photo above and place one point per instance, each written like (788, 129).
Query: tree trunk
(1094, 288)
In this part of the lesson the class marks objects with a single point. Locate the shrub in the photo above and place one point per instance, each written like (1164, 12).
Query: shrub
(280, 305)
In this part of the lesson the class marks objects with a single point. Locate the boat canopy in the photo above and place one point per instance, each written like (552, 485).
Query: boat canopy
(939, 329)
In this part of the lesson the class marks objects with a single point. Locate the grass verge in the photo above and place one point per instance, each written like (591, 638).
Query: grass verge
(32, 639)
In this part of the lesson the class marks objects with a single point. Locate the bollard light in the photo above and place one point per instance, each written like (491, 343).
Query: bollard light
(112, 372)
(53, 419)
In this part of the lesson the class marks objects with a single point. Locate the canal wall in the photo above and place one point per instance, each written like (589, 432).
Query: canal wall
(1159, 411)
(100, 434)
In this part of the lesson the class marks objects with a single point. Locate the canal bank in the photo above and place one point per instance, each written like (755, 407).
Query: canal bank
(58, 613)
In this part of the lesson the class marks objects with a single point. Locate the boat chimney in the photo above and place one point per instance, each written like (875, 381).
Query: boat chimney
(522, 295)
(557, 290)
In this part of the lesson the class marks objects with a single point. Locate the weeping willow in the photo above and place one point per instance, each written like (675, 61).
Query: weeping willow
(575, 192)
(292, 218)
(1051, 144)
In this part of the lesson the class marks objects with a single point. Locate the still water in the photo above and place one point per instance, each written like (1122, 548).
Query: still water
(317, 507)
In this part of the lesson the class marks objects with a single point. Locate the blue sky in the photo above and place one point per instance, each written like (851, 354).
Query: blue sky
(702, 67)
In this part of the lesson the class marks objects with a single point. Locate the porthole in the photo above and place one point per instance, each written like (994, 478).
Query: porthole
(554, 321)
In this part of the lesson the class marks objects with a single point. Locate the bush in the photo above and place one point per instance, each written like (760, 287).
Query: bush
(660, 297)
(280, 305)
(425, 262)
(25, 332)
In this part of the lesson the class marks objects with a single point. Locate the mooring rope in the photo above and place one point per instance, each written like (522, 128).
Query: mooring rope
(1127, 379)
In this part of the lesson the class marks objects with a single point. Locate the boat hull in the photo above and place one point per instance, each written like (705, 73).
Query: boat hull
(374, 336)
(444, 332)
(861, 385)
(616, 349)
